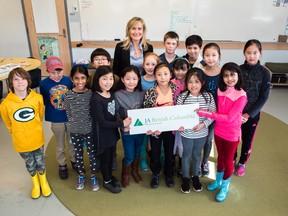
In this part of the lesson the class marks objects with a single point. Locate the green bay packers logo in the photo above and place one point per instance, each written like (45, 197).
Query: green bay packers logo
(25, 114)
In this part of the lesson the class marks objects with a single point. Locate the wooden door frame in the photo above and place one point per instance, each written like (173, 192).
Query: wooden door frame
(61, 5)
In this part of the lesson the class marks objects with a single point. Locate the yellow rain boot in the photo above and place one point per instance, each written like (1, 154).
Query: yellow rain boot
(45, 188)
(35, 193)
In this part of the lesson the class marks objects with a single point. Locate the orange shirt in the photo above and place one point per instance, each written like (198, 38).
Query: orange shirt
(164, 100)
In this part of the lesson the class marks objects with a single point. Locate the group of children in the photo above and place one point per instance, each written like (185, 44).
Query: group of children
(91, 110)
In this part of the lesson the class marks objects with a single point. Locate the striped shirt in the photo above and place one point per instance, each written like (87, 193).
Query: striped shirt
(209, 105)
(77, 106)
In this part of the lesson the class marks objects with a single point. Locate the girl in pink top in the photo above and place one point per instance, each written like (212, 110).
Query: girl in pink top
(180, 68)
(231, 101)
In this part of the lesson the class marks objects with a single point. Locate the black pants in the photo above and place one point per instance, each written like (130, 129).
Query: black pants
(77, 141)
(248, 135)
(106, 161)
(168, 145)
(1, 90)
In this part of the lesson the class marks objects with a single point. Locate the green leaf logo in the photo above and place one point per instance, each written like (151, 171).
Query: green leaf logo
(138, 123)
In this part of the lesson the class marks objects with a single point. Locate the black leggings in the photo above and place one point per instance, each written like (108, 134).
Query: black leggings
(77, 141)
(1, 90)
(248, 135)
(168, 145)
(106, 161)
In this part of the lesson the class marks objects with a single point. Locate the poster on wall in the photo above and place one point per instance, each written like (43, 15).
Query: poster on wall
(48, 46)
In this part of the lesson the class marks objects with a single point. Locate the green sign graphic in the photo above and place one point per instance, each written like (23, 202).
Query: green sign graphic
(138, 123)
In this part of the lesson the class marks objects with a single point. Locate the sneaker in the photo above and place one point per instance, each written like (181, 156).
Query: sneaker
(63, 173)
(155, 181)
(169, 181)
(116, 181)
(74, 167)
(205, 169)
(94, 183)
(112, 187)
(143, 165)
(197, 186)
(80, 182)
(240, 171)
(185, 186)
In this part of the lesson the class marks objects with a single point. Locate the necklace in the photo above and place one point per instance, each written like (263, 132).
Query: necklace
(137, 53)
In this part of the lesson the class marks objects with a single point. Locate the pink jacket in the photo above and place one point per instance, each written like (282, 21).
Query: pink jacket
(228, 118)
(180, 88)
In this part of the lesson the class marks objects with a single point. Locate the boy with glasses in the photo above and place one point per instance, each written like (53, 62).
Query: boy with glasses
(53, 89)
(98, 58)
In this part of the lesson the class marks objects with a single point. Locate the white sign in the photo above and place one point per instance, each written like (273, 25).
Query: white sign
(166, 118)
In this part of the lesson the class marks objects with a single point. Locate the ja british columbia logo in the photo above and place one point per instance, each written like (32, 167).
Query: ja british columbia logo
(138, 123)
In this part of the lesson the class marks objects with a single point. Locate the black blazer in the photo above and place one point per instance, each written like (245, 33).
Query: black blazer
(122, 57)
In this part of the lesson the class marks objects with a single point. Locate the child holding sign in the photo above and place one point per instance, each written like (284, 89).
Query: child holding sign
(105, 125)
(130, 97)
(162, 94)
(193, 139)
(231, 101)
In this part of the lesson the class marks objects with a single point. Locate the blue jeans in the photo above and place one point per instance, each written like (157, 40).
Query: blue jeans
(192, 149)
(132, 147)
(208, 143)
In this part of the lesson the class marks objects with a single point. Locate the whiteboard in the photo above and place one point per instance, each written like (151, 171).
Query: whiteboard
(231, 20)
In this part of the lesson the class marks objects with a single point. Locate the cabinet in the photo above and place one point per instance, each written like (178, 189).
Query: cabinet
(279, 73)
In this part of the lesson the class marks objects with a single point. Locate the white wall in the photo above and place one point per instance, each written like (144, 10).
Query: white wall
(227, 55)
(213, 20)
(14, 42)
(13, 37)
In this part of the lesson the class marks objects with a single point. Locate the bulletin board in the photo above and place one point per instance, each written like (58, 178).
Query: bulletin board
(224, 20)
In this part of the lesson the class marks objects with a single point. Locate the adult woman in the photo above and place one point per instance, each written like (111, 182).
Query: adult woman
(132, 50)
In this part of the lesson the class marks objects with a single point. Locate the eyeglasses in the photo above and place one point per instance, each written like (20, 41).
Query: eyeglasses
(100, 59)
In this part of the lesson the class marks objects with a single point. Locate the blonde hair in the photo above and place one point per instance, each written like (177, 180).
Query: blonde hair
(20, 72)
(151, 54)
(130, 24)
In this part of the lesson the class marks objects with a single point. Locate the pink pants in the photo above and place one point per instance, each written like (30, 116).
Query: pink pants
(226, 150)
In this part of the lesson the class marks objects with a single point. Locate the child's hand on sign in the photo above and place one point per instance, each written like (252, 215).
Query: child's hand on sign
(181, 129)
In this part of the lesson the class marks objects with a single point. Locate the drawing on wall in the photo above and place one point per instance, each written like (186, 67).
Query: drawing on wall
(180, 22)
(48, 46)
(280, 3)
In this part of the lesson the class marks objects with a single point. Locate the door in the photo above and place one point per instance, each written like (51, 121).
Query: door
(61, 37)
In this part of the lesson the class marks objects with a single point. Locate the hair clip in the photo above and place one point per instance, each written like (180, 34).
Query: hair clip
(183, 59)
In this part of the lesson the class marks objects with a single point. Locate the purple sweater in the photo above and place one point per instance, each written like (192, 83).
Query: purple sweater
(228, 118)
